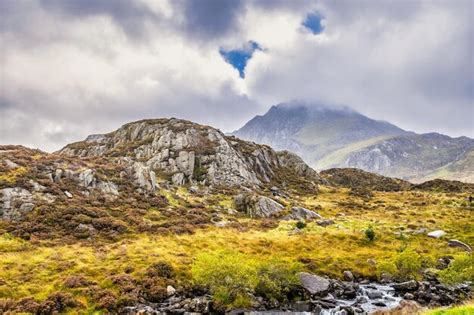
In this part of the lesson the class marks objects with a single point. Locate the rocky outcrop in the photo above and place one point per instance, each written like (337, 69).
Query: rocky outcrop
(257, 206)
(15, 203)
(191, 153)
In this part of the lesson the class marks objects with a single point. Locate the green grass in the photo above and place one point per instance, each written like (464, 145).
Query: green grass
(458, 310)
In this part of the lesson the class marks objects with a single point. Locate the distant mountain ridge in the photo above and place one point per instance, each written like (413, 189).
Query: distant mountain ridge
(328, 137)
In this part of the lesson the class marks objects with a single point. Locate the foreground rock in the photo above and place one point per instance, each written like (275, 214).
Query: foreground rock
(315, 285)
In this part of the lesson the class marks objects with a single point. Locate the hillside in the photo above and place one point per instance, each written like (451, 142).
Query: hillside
(328, 137)
(169, 216)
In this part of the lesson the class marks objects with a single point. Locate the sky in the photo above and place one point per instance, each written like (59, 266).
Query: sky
(78, 67)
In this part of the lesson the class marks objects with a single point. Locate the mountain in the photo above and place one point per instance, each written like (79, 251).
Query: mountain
(329, 137)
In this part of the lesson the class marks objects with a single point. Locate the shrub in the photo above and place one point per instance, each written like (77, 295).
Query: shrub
(460, 270)
(409, 264)
(300, 225)
(406, 265)
(160, 269)
(277, 280)
(370, 234)
(228, 275)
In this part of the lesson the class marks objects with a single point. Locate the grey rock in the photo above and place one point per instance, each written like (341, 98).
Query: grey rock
(411, 285)
(170, 291)
(315, 285)
(459, 244)
(257, 206)
(10, 164)
(348, 276)
(178, 179)
(374, 295)
(325, 222)
(15, 203)
(436, 234)
(302, 214)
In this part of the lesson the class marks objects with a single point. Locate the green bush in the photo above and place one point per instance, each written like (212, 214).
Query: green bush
(230, 276)
(406, 265)
(276, 280)
(370, 234)
(300, 225)
(409, 264)
(460, 270)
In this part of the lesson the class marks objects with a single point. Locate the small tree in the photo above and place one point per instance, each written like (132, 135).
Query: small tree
(370, 234)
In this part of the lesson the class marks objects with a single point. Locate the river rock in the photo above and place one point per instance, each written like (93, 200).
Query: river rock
(436, 234)
(411, 285)
(348, 276)
(315, 285)
(459, 244)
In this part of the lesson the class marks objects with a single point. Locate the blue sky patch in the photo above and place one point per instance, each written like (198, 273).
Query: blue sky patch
(313, 23)
(238, 58)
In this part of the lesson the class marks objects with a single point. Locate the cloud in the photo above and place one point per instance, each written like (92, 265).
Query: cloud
(72, 68)
(409, 64)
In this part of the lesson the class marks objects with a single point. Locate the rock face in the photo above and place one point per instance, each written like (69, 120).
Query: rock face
(191, 153)
(15, 202)
(257, 206)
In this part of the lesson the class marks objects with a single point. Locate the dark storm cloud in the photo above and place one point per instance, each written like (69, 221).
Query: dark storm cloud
(211, 19)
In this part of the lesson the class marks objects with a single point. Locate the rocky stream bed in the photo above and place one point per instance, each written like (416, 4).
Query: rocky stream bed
(324, 296)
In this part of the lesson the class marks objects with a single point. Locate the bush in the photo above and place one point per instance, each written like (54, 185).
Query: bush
(370, 234)
(407, 265)
(300, 225)
(228, 275)
(277, 280)
(460, 270)
(232, 277)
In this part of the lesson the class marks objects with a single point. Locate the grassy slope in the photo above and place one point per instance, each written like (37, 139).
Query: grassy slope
(462, 170)
(38, 268)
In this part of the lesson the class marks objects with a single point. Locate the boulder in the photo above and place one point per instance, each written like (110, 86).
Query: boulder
(170, 291)
(459, 244)
(348, 276)
(302, 214)
(324, 222)
(411, 285)
(437, 234)
(15, 202)
(315, 285)
(257, 206)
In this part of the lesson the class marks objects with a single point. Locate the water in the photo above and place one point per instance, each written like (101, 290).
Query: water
(366, 300)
